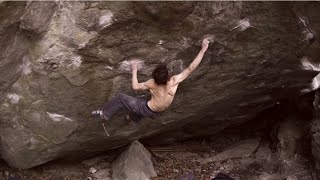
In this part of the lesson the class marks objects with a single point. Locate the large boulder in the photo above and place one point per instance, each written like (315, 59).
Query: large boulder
(309, 17)
(59, 65)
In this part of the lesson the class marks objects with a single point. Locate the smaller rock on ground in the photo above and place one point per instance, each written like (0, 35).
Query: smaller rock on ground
(102, 174)
(134, 164)
(91, 162)
(266, 176)
(242, 149)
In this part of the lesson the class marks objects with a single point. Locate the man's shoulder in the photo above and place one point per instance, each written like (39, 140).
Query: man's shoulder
(174, 80)
(150, 83)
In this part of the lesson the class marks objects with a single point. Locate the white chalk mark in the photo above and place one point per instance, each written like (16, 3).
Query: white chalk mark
(307, 65)
(176, 66)
(126, 65)
(105, 130)
(58, 117)
(307, 32)
(26, 66)
(75, 61)
(210, 37)
(109, 67)
(14, 98)
(314, 85)
(316, 82)
(243, 24)
(308, 35)
(106, 19)
(301, 20)
(32, 142)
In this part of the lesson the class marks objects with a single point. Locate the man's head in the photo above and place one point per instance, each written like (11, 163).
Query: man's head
(161, 75)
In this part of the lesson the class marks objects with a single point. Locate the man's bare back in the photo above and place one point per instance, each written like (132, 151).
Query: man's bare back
(162, 95)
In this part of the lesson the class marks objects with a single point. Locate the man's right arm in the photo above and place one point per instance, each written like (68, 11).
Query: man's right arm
(195, 63)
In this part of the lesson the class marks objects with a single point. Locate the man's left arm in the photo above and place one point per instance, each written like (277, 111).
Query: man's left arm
(135, 83)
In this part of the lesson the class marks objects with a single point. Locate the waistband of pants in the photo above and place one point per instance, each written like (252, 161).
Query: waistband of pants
(151, 109)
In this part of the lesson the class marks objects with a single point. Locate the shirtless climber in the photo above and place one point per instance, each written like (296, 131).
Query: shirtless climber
(162, 88)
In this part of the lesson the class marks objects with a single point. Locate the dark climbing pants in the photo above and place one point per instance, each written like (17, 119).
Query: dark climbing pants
(137, 108)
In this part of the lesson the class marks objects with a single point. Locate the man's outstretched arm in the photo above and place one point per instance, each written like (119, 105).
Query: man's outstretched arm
(135, 83)
(195, 63)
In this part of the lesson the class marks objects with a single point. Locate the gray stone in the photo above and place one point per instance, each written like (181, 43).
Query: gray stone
(102, 174)
(37, 16)
(6, 174)
(51, 82)
(266, 176)
(263, 153)
(135, 163)
(242, 149)
(92, 170)
(91, 162)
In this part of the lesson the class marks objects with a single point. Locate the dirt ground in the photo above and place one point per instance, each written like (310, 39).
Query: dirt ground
(175, 161)
(50, 171)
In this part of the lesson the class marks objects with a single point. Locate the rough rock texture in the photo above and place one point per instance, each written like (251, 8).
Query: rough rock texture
(71, 57)
(37, 16)
(12, 49)
(242, 149)
(315, 132)
(134, 163)
(311, 16)
(102, 175)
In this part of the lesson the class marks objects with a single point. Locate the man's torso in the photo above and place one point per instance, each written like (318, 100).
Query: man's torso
(161, 95)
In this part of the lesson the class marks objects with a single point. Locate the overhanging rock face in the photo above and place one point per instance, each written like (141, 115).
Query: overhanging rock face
(58, 66)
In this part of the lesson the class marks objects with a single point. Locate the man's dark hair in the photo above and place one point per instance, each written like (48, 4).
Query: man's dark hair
(161, 75)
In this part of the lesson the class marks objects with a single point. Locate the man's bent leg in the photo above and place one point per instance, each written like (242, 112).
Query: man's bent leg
(113, 106)
(132, 104)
